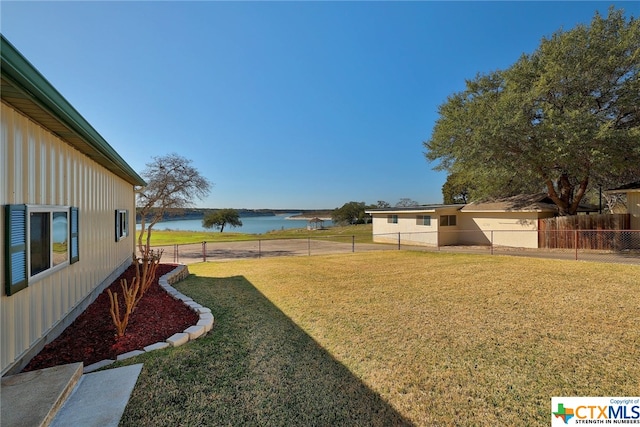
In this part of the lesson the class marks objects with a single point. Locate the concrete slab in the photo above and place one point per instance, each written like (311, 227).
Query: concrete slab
(207, 323)
(130, 354)
(97, 365)
(99, 399)
(204, 316)
(195, 331)
(178, 339)
(194, 305)
(157, 346)
(33, 398)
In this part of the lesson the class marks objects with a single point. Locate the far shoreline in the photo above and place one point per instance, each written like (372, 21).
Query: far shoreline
(300, 217)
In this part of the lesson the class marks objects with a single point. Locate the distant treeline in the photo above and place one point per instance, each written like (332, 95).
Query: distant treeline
(199, 213)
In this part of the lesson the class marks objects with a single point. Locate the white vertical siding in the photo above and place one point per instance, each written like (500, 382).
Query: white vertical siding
(517, 229)
(410, 232)
(514, 229)
(41, 169)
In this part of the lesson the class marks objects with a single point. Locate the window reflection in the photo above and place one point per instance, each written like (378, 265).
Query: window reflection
(60, 238)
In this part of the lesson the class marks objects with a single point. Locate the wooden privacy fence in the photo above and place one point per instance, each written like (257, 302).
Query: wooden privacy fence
(599, 232)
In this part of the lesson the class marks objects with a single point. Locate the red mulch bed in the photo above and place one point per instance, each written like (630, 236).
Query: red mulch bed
(92, 336)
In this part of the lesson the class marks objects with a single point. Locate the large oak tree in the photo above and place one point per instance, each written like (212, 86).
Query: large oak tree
(563, 117)
(222, 217)
(350, 213)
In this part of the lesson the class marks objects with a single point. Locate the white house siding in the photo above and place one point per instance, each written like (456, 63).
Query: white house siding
(410, 232)
(514, 229)
(473, 227)
(41, 169)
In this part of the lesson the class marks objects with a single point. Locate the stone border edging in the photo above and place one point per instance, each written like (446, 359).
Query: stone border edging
(204, 325)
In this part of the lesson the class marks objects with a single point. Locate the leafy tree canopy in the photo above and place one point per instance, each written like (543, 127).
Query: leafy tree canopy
(350, 213)
(222, 217)
(456, 189)
(563, 117)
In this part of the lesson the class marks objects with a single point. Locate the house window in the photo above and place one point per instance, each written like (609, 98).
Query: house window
(392, 219)
(447, 220)
(39, 242)
(122, 224)
(39, 239)
(423, 220)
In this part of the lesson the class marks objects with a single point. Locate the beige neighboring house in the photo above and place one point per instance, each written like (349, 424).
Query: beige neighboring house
(68, 212)
(511, 221)
(632, 191)
(431, 225)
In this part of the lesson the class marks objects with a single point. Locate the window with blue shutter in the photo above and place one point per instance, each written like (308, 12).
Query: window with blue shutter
(38, 240)
(15, 248)
(122, 224)
(117, 225)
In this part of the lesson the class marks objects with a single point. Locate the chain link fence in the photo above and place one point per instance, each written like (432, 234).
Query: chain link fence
(587, 245)
(619, 246)
(263, 248)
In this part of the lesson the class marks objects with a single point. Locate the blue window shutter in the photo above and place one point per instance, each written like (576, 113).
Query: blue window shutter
(117, 225)
(73, 231)
(15, 248)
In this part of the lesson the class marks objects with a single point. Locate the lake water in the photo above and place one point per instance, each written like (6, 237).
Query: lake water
(250, 225)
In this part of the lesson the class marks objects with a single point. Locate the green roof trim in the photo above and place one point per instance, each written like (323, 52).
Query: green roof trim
(28, 91)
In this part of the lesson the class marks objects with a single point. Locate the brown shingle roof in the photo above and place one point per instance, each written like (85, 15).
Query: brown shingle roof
(630, 186)
(524, 202)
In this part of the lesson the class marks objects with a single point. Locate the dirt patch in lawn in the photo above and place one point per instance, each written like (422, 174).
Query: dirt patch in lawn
(92, 336)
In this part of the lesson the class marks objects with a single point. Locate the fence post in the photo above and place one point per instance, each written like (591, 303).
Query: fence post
(204, 251)
(491, 242)
(259, 248)
(576, 242)
(353, 243)
(398, 240)
(175, 254)
(309, 245)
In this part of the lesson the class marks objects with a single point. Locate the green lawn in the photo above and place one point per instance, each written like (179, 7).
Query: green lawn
(363, 234)
(395, 337)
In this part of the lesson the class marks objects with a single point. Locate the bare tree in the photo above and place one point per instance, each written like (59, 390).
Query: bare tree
(406, 203)
(616, 202)
(173, 184)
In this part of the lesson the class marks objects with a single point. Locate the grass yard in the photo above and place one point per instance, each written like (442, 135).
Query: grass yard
(362, 233)
(395, 338)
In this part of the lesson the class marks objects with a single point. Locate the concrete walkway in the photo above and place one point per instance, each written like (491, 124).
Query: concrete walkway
(99, 398)
(62, 396)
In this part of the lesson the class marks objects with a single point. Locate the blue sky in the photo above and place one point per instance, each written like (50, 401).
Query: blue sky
(280, 104)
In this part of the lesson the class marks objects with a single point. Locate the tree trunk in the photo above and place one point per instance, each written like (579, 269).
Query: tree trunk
(557, 199)
(582, 189)
(564, 197)
(142, 230)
